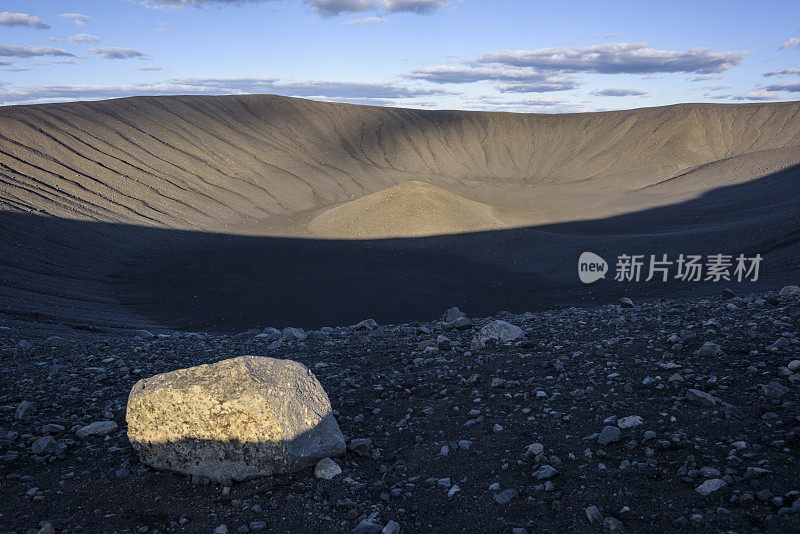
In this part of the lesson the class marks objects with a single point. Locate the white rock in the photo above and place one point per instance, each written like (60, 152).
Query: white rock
(236, 419)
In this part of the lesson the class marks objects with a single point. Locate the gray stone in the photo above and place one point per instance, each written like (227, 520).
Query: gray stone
(774, 389)
(392, 527)
(695, 396)
(609, 434)
(780, 343)
(25, 411)
(593, 515)
(98, 428)
(361, 446)
(44, 445)
(629, 422)
(366, 324)
(369, 525)
(293, 334)
(236, 419)
(145, 334)
(789, 291)
(501, 331)
(327, 469)
(612, 524)
(710, 486)
(455, 319)
(625, 302)
(505, 496)
(709, 349)
(452, 314)
(269, 335)
(545, 472)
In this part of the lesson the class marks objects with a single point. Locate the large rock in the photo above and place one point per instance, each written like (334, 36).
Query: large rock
(233, 420)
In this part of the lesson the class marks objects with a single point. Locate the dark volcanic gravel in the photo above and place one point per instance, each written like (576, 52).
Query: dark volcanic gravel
(665, 416)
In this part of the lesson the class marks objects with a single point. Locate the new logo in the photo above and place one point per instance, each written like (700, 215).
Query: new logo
(591, 267)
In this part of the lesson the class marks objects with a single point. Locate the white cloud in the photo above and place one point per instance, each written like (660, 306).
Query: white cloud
(331, 8)
(792, 87)
(31, 51)
(77, 18)
(619, 92)
(781, 73)
(515, 79)
(794, 42)
(118, 53)
(325, 8)
(22, 19)
(328, 90)
(616, 58)
(365, 20)
(546, 86)
(414, 6)
(704, 78)
(466, 74)
(82, 38)
(151, 68)
(757, 95)
(526, 105)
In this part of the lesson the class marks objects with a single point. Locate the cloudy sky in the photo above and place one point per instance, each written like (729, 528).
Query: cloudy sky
(504, 55)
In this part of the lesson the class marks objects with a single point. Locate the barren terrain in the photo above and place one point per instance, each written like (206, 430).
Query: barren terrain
(131, 212)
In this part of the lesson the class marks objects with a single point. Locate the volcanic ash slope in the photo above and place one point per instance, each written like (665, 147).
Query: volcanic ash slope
(411, 209)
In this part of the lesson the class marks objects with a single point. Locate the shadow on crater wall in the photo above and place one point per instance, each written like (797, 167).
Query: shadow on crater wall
(110, 275)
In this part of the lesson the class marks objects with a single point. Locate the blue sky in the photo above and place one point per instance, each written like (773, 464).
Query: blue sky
(503, 55)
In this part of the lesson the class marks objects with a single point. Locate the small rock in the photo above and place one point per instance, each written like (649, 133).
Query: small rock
(25, 411)
(327, 469)
(98, 428)
(369, 525)
(258, 526)
(505, 496)
(612, 524)
(501, 331)
(293, 334)
(774, 389)
(44, 445)
(709, 349)
(629, 422)
(545, 472)
(710, 486)
(609, 434)
(593, 515)
(789, 291)
(145, 334)
(360, 446)
(366, 324)
(696, 396)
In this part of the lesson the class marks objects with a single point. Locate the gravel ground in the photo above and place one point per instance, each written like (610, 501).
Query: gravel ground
(664, 416)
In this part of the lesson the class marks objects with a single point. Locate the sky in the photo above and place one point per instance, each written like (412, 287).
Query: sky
(495, 55)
